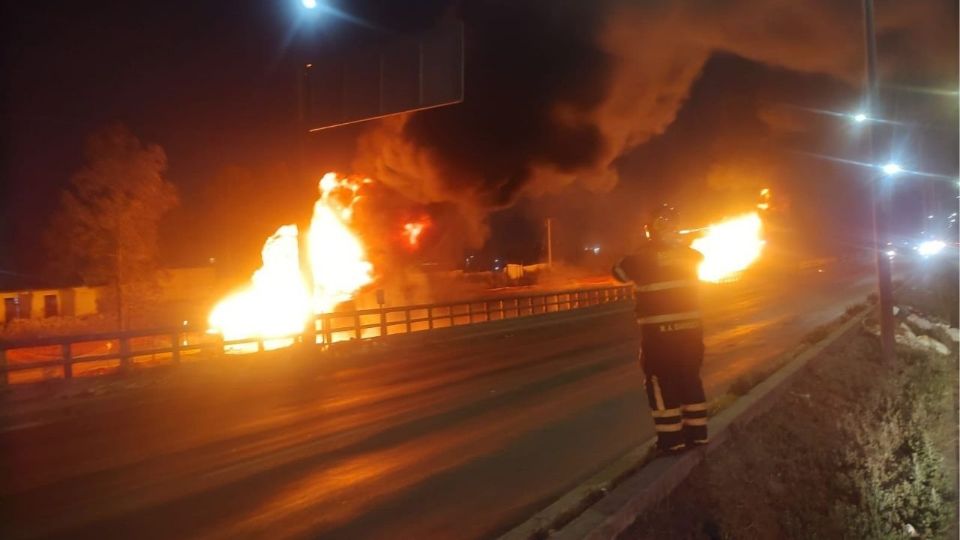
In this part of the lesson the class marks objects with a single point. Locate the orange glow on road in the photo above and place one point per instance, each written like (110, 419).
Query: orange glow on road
(279, 302)
(729, 247)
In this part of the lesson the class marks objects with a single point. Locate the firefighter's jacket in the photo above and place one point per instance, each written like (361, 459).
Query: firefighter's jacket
(665, 280)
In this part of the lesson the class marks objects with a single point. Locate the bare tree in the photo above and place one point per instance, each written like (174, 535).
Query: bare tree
(106, 229)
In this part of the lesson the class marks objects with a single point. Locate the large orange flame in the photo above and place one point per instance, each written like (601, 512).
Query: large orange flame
(729, 247)
(338, 260)
(279, 303)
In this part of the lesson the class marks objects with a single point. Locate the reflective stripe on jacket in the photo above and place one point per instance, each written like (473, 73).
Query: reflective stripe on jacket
(665, 281)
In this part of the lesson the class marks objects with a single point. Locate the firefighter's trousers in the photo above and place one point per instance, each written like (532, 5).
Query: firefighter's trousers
(671, 354)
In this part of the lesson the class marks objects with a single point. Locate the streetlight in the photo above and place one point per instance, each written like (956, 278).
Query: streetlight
(859, 118)
(309, 4)
(891, 169)
(931, 247)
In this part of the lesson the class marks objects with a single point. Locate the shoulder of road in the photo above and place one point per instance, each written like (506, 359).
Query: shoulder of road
(609, 502)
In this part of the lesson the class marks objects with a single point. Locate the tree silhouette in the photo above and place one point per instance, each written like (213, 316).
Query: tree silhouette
(106, 230)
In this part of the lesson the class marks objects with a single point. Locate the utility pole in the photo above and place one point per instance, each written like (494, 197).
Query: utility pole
(880, 187)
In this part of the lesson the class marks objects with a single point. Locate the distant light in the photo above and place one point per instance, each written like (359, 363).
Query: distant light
(596, 250)
(892, 168)
(930, 247)
(891, 253)
(186, 323)
(309, 4)
(930, 216)
(859, 117)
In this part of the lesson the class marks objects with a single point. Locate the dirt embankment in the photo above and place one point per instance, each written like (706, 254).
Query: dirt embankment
(853, 449)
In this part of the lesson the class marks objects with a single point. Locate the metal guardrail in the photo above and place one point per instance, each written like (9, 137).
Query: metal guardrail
(109, 352)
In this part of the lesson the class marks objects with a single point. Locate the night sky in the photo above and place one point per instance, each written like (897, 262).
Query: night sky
(589, 112)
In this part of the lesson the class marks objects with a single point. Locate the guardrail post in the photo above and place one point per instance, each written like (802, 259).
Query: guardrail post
(357, 331)
(450, 314)
(260, 344)
(325, 327)
(67, 357)
(124, 354)
(470, 313)
(309, 335)
(217, 345)
(3, 367)
(383, 322)
(407, 315)
(175, 349)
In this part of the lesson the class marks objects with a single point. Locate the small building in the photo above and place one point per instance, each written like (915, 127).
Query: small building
(181, 291)
(42, 303)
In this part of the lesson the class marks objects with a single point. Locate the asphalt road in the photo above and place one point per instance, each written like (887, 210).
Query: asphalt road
(458, 440)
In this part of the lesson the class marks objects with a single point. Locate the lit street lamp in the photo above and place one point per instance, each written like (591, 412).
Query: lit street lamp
(891, 169)
(859, 118)
(309, 4)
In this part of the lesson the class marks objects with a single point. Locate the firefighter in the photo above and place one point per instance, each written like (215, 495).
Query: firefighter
(664, 274)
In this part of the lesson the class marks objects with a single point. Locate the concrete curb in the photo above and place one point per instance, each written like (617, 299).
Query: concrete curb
(610, 513)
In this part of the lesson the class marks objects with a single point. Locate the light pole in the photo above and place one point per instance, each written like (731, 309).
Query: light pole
(881, 197)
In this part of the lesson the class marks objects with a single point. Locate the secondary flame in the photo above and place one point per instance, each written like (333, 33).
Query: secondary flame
(729, 247)
(279, 301)
(764, 203)
(412, 232)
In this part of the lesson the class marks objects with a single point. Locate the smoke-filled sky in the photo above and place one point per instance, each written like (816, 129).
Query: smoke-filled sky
(588, 112)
